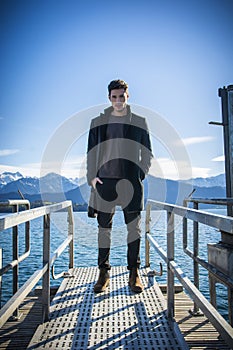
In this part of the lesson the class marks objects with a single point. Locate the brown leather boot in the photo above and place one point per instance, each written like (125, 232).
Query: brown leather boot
(103, 281)
(134, 281)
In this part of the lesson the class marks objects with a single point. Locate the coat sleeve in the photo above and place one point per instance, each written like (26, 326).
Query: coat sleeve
(146, 151)
(92, 153)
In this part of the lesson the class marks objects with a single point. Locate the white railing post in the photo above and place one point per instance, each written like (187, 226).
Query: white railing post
(196, 254)
(0, 278)
(147, 243)
(71, 232)
(170, 257)
(15, 256)
(15, 219)
(46, 265)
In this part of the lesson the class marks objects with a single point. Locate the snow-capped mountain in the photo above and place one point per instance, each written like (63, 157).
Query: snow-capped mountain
(212, 181)
(28, 185)
(50, 183)
(53, 185)
(8, 177)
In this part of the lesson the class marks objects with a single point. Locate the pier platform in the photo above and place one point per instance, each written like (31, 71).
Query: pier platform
(115, 319)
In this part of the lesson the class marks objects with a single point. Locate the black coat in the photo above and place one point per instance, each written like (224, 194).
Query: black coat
(137, 151)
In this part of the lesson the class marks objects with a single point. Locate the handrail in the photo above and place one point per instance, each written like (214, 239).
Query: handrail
(226, 239)
(15, 219)
(20, 218)
(218, 221)
(16, 204)
(218, 201)
(11, 202)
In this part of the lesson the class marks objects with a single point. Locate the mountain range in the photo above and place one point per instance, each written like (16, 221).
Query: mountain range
(55, 188)
(12, 182)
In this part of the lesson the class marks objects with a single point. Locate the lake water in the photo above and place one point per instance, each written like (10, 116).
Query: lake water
(85, 248)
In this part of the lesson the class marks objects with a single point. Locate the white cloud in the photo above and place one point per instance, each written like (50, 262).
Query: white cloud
(75, 167)
(194, 140)
(8, 152)
(176, 170)
(72, 167)
(219, 159)
(201, 172)
(26, 170)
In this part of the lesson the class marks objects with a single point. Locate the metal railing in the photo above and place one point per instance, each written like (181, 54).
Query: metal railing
(15, 205)
(222, 223)
(214, 274)
(12, 221)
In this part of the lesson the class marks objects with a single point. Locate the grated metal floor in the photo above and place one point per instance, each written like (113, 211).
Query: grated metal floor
(115, 319)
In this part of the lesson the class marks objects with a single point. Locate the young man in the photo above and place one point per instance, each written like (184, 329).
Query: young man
(118, 158)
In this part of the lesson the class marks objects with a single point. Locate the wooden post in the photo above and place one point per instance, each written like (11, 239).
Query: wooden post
(226, 94)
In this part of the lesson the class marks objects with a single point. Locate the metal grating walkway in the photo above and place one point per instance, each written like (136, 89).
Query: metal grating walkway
(115, 319)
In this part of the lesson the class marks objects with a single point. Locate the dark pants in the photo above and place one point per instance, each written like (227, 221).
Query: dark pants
(107, 192)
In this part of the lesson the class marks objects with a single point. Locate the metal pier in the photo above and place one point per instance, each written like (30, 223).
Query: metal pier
(115, 319)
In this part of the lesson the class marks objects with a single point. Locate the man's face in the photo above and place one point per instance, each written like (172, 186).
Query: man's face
(119, 99)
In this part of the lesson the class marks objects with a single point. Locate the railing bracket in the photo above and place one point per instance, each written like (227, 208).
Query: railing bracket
(156, 273)
(196, 313)
(68, 274)
(15, 318)
(63, 274)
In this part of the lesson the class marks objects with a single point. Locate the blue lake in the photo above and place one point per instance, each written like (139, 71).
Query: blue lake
(85, 248)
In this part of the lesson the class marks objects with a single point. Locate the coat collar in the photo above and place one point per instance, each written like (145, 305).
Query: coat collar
(108, 111)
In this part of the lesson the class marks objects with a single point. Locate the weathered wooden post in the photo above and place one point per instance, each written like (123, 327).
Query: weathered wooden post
(220, 255)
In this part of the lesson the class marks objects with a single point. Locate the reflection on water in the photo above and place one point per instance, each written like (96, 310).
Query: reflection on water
(85, 248)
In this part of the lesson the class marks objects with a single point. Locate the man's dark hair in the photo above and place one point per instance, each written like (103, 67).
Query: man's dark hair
(117, 84)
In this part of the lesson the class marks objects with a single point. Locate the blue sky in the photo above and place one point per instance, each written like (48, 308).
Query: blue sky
(57, 58)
